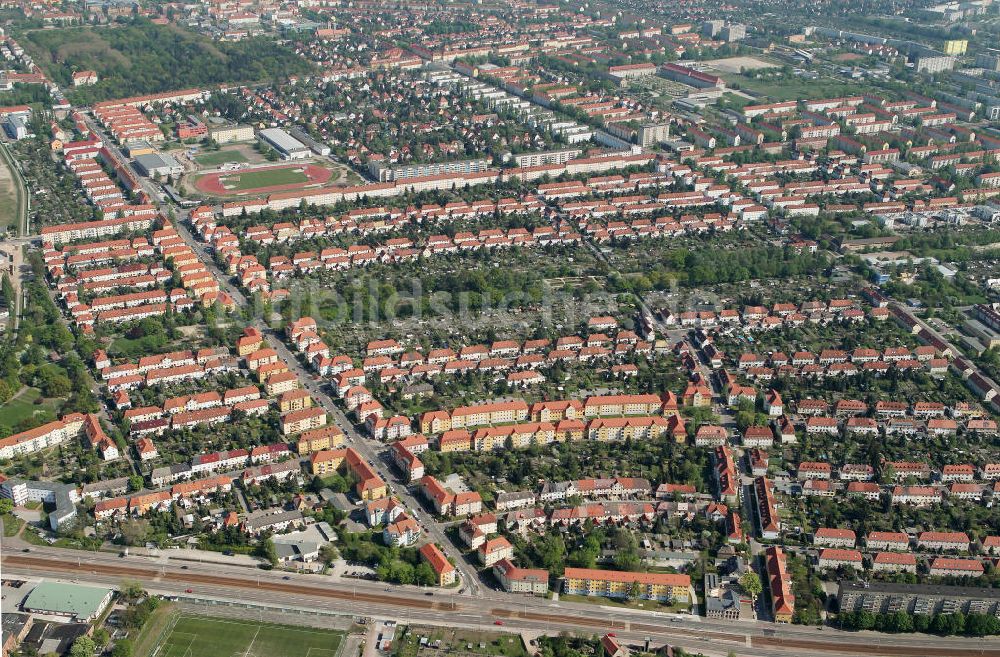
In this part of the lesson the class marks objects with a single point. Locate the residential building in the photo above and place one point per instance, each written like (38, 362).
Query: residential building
(521, 580)
(443, 569)
(927, 599)
(662, 587)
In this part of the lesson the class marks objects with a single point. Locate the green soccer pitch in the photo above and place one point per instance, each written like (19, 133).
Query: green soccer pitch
(199, 636)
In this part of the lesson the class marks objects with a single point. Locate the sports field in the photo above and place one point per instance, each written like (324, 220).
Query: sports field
(244, 180)
(276, 178)
(216, 158)
(199, 636)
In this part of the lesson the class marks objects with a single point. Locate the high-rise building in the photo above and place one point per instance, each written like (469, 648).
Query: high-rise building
(711, 29)
(934, 62)
(956, 47)
(989, 60)
(733, 32)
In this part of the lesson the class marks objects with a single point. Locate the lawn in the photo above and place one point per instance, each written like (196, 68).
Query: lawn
(11, 525)
(796, 88)
(23, 406)
(218, 158)
(265, 178)
(199, 636)
(11, 203)
(153, 630)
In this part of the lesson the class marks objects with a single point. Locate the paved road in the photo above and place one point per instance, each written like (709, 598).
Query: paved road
(378, 457)
(410, 604)
(373, 451)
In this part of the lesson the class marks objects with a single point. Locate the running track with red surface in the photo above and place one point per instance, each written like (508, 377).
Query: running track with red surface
(212, 182)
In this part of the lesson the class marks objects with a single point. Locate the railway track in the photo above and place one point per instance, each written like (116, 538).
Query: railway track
(872, 647)
(189, 578)
(860, 645)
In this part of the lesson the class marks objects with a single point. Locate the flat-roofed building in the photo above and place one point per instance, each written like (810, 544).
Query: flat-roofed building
(73, 601)
(928, 599)
(230, 132)
(288, 147)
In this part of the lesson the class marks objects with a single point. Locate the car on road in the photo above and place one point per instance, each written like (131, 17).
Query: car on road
(498, 622)
(189, 590)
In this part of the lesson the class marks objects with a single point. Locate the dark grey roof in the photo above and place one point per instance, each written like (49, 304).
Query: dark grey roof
(920, 589)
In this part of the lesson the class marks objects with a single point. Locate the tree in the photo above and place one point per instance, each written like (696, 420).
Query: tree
(84, 646)
(328, 554)
(7, 296)
(101, 637)
(632, 592)
(134, 532)
(981, 625)
(135, 482)
(6, 506)
(122, 649)
(750, 583)
(865, 620)
(948, 624)
(424, 574)
(626, 552)
(132, 590)
(899, 622)
(266, 550)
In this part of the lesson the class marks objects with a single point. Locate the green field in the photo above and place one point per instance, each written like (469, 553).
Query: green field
(267, 178)
(198, 636)
(795, 88)
(12, 194)
(217, 158)
(23, 406)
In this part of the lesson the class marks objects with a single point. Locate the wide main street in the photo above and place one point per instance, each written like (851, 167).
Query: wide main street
(415, 605)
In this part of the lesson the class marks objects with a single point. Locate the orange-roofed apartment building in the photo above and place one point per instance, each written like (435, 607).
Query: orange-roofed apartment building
(486, 414)
(328, 437)
(521, 580)
(779, 582)
(443, 570)
(448, 503)
(619, 405)
(47, 435)
(661, 587)
(302, 420)
(367, 484)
